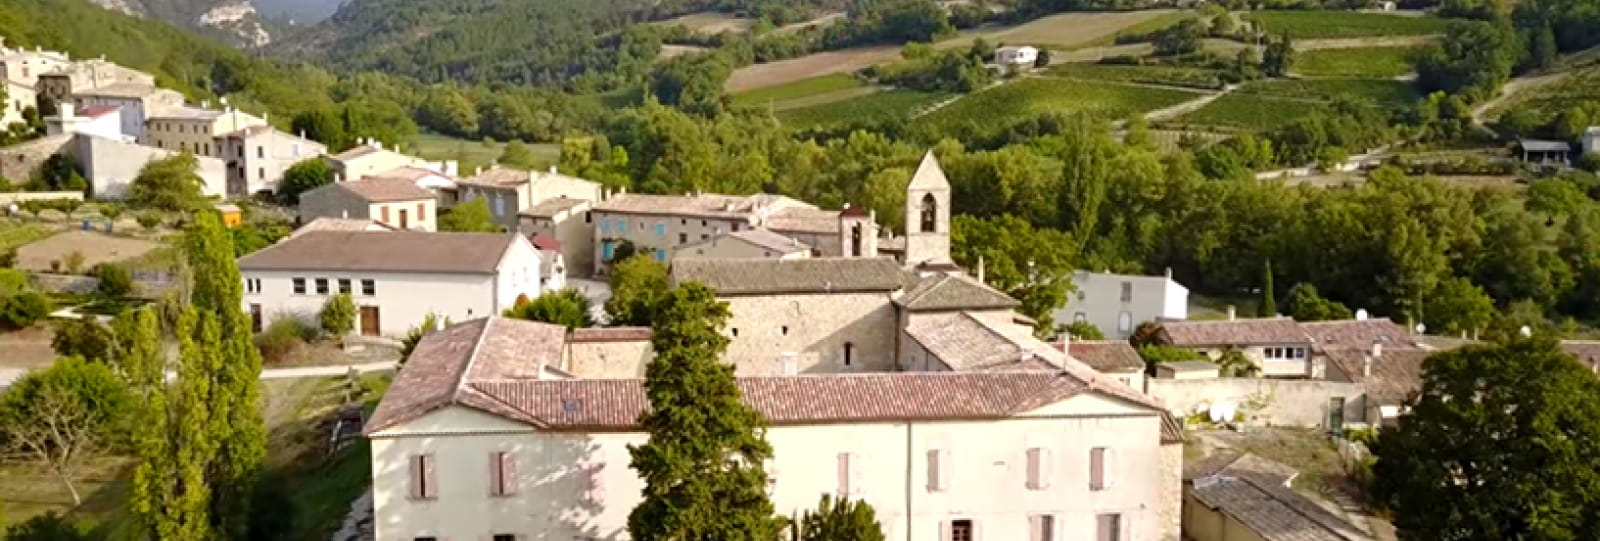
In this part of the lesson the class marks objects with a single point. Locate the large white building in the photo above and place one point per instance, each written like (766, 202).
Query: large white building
(1118, 303)
(396, 278)
(483, 437)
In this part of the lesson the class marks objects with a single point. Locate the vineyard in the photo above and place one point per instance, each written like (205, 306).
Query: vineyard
(1185, 76)
(1005, 105)
(1379, 91)
(1252, 112)
(1382, 62)
(804, 88)
(1344, 24)
(880, 106)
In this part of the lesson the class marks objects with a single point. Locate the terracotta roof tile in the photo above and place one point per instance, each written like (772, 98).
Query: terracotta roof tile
(546, 242)
(964, 343)
(342, 224)
(759, 238)
(1586, 352)
(550, 207)
(1274, 330)
(1255, 491)
(393, 251)
(382, 189)
(778, 276)
(803, 220)
(705, 205)
(498, 177)
(1107, 355)
(1359, 333)
(953, 291)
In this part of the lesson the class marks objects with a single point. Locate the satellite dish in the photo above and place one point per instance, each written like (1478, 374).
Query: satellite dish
(1361, 314)
(1223, 412)
(1526, 331)
(1421, 328)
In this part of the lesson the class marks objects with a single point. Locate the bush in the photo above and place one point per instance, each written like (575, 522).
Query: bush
(47, 527)
(82, 337)
(149, 219)
(23, 309)
(74, 262)
(338, 315)
(115, 280)
(282, 338)
(1083, 330)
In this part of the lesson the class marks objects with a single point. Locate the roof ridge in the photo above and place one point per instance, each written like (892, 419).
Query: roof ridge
(472, 357)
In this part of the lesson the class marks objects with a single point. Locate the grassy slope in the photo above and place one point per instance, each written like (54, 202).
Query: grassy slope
(1358, 62)
(1012, 102)
(1249, 111)
(1144, 27)
(473, 154)
(1380, 91)
(1344, 24)
(799, 89)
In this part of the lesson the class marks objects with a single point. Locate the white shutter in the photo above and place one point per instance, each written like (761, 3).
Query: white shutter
(1047, 467)
(944, 530)
(856, 473)
(430, 487)
(843, 474)
(1033, 468)
(1109, 467)
(938, 470)
(1036, 528)
(508, 473)
(1097, 468)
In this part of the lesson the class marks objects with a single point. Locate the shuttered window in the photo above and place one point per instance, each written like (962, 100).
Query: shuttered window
(1042, 528)
(939, 470)
(422, 211)
(502, 474)
(1108, 527)
(1100, 468)
(424, 486)
(1038, 468)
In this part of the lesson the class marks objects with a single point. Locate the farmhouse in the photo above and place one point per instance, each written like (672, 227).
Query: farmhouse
(1012, 55)
(396, 278)
(394, 202)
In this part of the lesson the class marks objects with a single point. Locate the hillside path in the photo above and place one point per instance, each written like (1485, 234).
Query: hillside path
(1188, 106)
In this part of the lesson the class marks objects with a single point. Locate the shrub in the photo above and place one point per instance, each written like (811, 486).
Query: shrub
(149, 219)
(284, 336)
(82, 337)
(74, 262)
(1083, 330)
(338, 315)
(115, 280)
(23, 309)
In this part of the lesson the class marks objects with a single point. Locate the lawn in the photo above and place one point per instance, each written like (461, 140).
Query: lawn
(1185, 76)
(1344, 24)
(1002, 106)
(877, 107)
(1379, 91)
(803, 88)
(1249, 112)
(14, 233)
(1357, 62)
(473, 154)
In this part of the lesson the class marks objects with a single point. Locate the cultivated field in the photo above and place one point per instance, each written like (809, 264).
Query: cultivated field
(1003, 105)
(1066, 30)
(1186, 76)
(1344, 24)
(805, 88)
(96, 248)
(711, 22)
(880, 106)
(1249, 112)
(1355, 62)
(1379, 91)
(674, 51)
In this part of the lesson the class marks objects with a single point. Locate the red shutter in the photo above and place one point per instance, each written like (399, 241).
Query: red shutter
(422, 211)
(385, 213)
(1097, 468)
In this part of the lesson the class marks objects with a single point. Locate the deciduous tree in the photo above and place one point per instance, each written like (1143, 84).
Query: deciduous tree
(638, 287)
(567, 307)
(469, 217)
(302, 177)
(839, 520)
(338, 316)
(64, 415)
(168, 183)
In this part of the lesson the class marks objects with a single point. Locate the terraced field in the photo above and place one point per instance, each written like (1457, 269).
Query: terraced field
(1344, 24)
(1357, 62)
(1001, 106)
(876, 107)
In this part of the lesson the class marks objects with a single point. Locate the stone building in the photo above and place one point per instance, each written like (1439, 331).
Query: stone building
(747, 244)
(394, 202)
(258, 155)
(136, 101)
(195, 129)
(508, 192)
(63, 82)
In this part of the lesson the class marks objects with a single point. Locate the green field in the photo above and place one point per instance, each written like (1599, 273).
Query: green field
(1001, 106)
(1185, 76)
(1144, 27)
(1344, 24)
(1250, 112)
(799, 89)
(1379, 91)
(473, 154)
(1357, 62)
(14, 234)
(877, 107)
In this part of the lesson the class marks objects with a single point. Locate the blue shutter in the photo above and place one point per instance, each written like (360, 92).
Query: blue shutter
(661, 255)
(661, 229)
(622, 225)
(605, 251)
(605, 226)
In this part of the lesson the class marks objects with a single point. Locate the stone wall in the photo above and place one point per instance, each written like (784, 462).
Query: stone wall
(1278, 402)
(7, 198)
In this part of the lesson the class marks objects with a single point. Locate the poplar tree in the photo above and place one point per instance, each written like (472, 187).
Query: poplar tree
(1269, 301)
(703, 464)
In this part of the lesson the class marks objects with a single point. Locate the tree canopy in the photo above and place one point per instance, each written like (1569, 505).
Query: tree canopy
(469, 217)
(168, 183)
(638, 287)
(567, 307)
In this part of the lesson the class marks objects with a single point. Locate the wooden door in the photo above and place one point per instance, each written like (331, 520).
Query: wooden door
(369, 321)
(255, 318)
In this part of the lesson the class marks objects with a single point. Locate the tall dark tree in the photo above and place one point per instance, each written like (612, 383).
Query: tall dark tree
(703, 464)
(1503, 442)
(1269, 303)
(1278, 58)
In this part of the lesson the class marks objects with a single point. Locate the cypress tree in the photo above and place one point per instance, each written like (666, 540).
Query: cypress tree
(1269, 301)
(217, 290)
(703, 464)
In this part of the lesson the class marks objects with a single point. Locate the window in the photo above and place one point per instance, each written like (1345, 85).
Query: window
(641, 225)
(661, 255)
(855, 240)
(1099, 468)
(261, 152)
(704, 236)
(405, 222)
(1127, 291)
(960, 530)
(1125, 322)
(589, 218)
(1042, 528)
(424, 539)
(424, 485)
(736, 331)
(594, 490)
(261, 173)
(661, 229)
(322, 286)
(299, 286)
(849, 351)
(422, 211)
(930, 213)
(1080, 317)
(368, 287)
(502, 474)
(504, 537)
(849, 470)
(606, 248)
(1108, 527)
(344, 285)
(938, 470)
(1038, 468)
(384, 214)
(683, 238)
(736, 227)
(1284, 353)
(605, 226)
(207, 149)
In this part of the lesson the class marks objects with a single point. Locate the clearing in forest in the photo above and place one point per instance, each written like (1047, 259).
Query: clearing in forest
(710, 22)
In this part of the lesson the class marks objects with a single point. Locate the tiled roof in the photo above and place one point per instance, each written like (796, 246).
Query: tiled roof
(615, 404)
(119, 90)
(953, 292)
(1106, 355)
(393, 251)
(550, 207)
(1272, 330)
(498, 177)
(1586, 352)
(803, 220)
(964, 343)
(929, 175)
(759, 238)
(609, 334)
(1358, 333)
(406, 173)
(1396, 373)
(852, 212)
(341, 224)
(1255, 492)
(805, 275)
(383, 189)
(546, 242)
(705, 205)
(357, 151)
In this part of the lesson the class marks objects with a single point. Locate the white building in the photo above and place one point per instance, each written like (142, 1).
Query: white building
(137, 102)
(97, 121)
(1016, 55)
(391, 201)
(1117, 303)
(481, 437)
(1590, 140)
(396, 278)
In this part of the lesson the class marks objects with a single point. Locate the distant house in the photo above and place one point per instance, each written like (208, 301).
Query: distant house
(1117, 303)
(507, 192)
(1023, 55)
(258, 155)
(1243, 497)
(370, 158)
(102, 121)
(567, 221)
(1115, 358)
(396, 278)
(1278, 344)
(395, 202)
(747, 244)
(1590, 140)
(1542, 152)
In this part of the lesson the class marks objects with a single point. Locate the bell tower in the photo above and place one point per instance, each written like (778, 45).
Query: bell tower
(928, 214)
(858, 232)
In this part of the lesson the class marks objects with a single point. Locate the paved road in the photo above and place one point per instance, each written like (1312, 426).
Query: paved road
(8, 375)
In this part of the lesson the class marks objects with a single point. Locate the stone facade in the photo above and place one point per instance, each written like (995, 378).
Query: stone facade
(607, 359)
(811, 333)
(333, 201)
(258, 156)
(135, 102)
(928, 214)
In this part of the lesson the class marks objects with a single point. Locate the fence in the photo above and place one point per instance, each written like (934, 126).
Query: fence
(1280, 402)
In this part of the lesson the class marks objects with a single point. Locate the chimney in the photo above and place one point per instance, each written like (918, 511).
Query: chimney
(1366, 367)
(65, 109)
(1232, 313)
(1169, 273)
(1377, 349)
(980, 269)
(1361, 314)
(1027, 354)
(344, 213)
